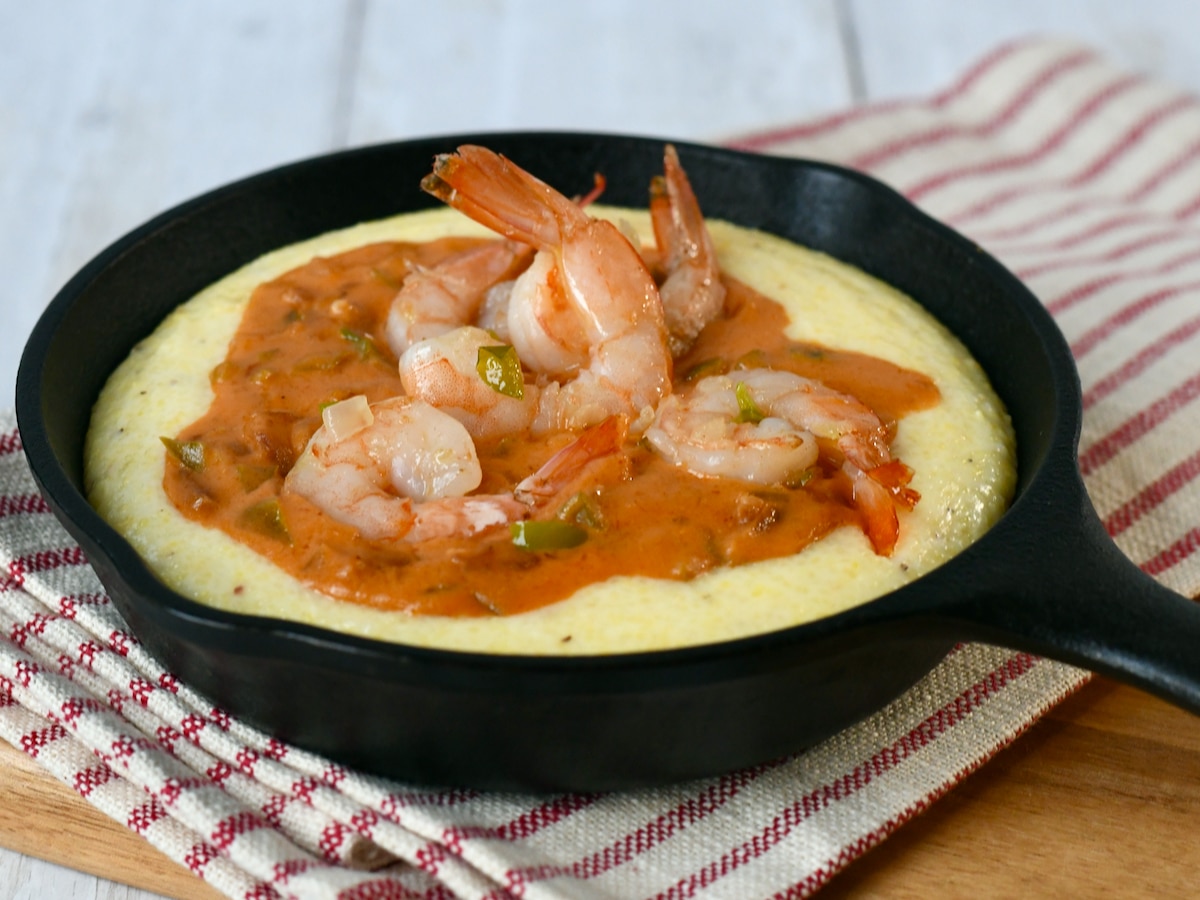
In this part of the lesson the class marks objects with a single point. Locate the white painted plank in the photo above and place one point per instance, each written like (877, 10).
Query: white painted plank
(912, 47)
(26, 878)
(701, 69)
(111, 112)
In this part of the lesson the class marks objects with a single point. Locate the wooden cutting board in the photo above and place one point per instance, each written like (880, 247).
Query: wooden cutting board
(40, 816)
(1101, 797)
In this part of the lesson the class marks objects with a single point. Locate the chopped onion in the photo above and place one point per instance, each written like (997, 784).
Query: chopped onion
(347, 417)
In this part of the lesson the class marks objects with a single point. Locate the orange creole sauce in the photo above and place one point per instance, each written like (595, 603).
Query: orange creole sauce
(316, 335)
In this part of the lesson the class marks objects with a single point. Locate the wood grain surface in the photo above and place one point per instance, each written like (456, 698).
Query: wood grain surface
(41, 817)
(1100, 798)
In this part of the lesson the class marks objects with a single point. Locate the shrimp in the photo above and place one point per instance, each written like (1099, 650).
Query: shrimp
(587, 310)
(401, 469)
(493, 312)
(432, 301)
(443, 371)
(397, 469)
(702, 432)
(762, 425)
(692, 292)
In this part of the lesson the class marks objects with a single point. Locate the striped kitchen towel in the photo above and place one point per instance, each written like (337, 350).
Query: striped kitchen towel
(1083, 179)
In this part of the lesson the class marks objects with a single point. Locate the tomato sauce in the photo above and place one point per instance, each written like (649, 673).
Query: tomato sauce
(316, 335)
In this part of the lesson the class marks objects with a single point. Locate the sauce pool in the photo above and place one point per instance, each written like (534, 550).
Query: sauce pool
(315, 336)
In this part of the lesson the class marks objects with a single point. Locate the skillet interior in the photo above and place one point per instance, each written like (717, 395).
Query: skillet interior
(513, 722)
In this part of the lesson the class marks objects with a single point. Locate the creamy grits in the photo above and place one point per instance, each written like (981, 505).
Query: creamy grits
(960, 449)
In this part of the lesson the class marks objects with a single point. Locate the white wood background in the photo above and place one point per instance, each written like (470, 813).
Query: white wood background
(113, 110)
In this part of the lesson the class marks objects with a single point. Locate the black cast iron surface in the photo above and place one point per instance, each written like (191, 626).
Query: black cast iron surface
(1046, 578)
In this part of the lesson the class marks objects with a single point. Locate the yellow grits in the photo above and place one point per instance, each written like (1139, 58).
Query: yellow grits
(961, 451)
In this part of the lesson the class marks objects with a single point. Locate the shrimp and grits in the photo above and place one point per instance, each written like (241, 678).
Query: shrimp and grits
(528, 423)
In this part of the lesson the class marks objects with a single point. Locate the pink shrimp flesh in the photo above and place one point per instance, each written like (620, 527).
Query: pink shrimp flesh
(692, 292)
(588, 306)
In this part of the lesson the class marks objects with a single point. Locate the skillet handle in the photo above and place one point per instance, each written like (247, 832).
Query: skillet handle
(1071, 594)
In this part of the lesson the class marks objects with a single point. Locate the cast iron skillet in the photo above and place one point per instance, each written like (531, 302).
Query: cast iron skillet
(1045, 579)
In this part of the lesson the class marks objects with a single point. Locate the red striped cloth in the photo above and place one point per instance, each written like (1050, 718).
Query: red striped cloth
(1083, 179)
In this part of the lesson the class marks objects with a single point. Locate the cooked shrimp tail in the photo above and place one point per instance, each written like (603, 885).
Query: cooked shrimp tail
(494, 192)
(877, 494)
(598, 185)
(692, 292)
(569, 462)
(894, 476)
(587, 311)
